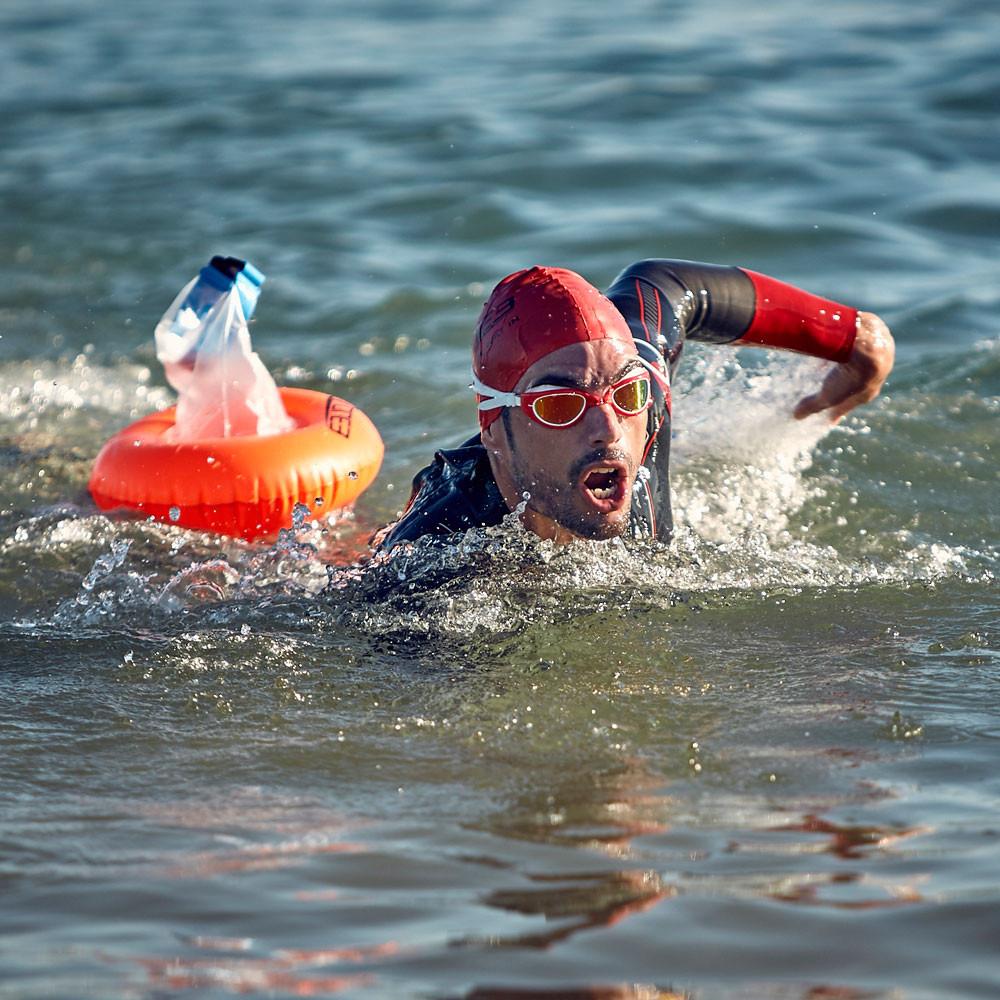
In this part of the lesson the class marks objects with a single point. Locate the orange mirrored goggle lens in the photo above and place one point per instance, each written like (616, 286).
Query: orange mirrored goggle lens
(559, 409)
(633, 397)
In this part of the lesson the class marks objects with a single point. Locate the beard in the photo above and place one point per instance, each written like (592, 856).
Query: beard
(561, 500)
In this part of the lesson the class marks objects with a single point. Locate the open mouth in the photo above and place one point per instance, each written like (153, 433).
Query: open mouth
(604, 485)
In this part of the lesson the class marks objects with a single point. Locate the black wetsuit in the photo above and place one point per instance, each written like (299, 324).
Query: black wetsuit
(665, 302)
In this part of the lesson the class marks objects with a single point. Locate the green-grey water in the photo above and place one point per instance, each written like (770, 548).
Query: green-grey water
(760, 763)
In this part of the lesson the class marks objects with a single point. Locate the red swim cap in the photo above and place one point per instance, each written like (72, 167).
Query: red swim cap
(532, 313)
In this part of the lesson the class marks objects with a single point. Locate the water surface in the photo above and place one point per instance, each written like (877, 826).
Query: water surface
(760, 763)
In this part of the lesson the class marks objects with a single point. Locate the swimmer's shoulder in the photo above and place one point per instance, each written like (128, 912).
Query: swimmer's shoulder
(455, 492)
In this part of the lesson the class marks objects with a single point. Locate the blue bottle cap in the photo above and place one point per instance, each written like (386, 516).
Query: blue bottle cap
(224, 272)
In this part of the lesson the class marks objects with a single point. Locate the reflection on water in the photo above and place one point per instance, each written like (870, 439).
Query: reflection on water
(579, 903)
(291, 975)
(253, 834)
(576, 993)
(851, 842)
(837, 891)
(602, 816)
(649, 992)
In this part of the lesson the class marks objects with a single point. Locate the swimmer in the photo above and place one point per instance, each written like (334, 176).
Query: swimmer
(573, 392)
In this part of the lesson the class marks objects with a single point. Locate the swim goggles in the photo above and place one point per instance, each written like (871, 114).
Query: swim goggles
(560, 406)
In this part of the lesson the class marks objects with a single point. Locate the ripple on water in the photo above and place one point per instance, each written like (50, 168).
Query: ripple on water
(760, 503)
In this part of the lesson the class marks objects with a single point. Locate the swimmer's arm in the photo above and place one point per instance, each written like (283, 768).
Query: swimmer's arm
(859, 378)
(791, 319)
(668, 301)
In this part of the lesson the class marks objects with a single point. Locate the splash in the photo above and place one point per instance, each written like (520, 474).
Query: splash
(740, 458)
(104, 590)
(32, 392)
(756, 510)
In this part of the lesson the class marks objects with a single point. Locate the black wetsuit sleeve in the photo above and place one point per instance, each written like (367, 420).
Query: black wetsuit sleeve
(666, 302)
(454, 493)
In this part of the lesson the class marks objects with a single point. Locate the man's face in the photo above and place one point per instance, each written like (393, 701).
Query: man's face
(579, 479)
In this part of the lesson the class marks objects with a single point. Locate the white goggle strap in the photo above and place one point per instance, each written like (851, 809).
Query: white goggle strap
(495, 399)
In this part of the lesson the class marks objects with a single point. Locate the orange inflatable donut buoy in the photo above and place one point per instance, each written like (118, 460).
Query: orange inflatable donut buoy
(242, 486)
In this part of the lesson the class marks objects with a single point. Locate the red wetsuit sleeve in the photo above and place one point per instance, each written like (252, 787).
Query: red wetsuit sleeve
(790, 319)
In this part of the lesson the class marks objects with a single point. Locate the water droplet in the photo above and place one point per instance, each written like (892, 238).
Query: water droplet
(175, 513)
(318, 502)
(352, 475)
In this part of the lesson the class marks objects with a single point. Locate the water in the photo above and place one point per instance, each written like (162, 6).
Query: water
(762, 763)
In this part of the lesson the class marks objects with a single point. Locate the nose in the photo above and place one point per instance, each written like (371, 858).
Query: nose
(603, 424)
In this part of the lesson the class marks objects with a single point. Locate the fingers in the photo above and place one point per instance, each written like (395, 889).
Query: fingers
(857, 380)
(807, 406)
(837, 413)
(837, 393)
(835, 410)
(839, 401)
(836, 405)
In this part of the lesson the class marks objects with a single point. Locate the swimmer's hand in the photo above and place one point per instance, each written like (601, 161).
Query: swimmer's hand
(858, 379)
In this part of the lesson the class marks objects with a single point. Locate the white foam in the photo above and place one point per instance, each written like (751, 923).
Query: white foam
(738, 454)
(741, 479)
